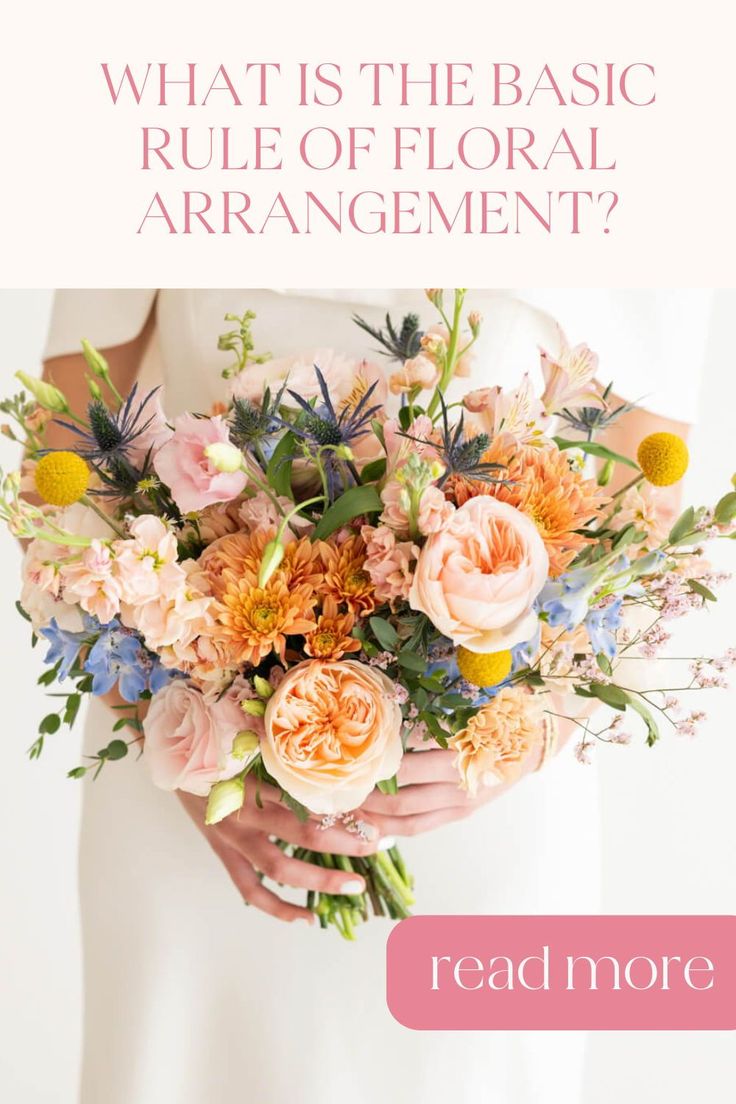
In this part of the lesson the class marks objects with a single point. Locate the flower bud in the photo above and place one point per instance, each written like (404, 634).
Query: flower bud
(95, 361)
(344, 452)
(434, 295)
(474, 321)
(263, 687)
(94, 389)
(224, 456)
(245, 744)
(45, 394)
(273, 554)
(606, 473)
(254, 707)
(224, 798)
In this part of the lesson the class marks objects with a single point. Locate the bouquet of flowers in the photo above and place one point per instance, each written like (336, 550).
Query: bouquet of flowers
(340, 563)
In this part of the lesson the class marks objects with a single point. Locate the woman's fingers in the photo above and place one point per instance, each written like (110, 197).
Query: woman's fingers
(255, 893)
(423, 822)
(281, 868)
(428, 766)
(423, 798)
(276, 820)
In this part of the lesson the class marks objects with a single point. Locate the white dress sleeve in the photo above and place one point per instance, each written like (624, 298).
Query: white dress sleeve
(651, 343)
(106, 317)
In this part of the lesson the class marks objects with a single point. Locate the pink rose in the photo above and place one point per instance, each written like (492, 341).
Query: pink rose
(193, 480)
(187, 742)
(332, 731)
(478, 577)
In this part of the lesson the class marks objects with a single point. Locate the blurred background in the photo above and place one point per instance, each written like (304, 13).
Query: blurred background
(668, 813)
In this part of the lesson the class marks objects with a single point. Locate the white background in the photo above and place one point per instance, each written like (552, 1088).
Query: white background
(79, 194)
(668, 819)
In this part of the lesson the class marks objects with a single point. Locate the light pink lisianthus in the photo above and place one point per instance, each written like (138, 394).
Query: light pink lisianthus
(193, 480)
(188, 743)
(90, 582)
(341, 374)
(418, 372)
(332, 731)
(477, 579)
(146, 565)
(156, 434)
(390, 563)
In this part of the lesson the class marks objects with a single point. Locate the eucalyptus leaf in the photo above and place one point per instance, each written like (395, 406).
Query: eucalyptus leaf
(725, 510)
(278, 472)
(683, 526)
(593, 448)
(384, 633)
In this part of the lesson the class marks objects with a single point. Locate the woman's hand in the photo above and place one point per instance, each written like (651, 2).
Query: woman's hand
(243, 844)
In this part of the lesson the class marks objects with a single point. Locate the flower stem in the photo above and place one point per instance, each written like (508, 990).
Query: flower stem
(87, 501)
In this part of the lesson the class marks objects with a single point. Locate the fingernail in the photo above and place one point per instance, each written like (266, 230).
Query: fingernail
(354, 886)
(386, 843)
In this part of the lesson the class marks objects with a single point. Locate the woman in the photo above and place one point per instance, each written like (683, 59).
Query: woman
(188, 996)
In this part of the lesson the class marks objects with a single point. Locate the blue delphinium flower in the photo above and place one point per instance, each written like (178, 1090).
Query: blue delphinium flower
(64, 647)
(116, 658)
(601, 625)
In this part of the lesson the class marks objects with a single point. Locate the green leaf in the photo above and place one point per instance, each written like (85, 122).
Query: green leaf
(116, 749)
(278, 472)
(454, 701)
(73, 703)
(725, 510)
(593, 448)
(609, 694)
(604, 663)
(355, 501)
(703, 591)
(374, 471)
(48, 676)
(683, 526)
(50, 724)
(434, 726)
(22, 612)
(389, 785)
(77, 772)
(624, 537)
(384, 633)
(639, 706)
(411, 661)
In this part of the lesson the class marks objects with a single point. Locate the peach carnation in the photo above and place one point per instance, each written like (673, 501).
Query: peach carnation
(390, 563)
(499, 740)
(332, 731)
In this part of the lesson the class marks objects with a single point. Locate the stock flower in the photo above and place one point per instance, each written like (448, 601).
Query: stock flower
(61, 478)
(389, 563)
(477, 579)
(640, 508)
(332, 731)
(541, 483)
(188, 743)
(498, 741)
(194, 481)
(146, 566)
(89, 580)
(569, 378)
(346, 578)
(663, 458)
(330, 638)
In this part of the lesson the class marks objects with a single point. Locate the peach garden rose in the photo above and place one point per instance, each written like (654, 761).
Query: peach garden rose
(476, 579)
(332, 731)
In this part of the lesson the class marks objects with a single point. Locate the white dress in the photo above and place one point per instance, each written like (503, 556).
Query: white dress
(189, 996)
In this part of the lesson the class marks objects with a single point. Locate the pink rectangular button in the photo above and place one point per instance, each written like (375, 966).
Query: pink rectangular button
(600, 973)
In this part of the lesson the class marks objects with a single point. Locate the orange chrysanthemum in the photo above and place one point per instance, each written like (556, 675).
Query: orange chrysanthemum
(253, 621)
(346, 579)
(239, 555)
(543, 486)
(330, 638)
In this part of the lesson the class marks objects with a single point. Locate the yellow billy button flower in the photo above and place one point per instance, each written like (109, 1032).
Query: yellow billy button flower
(61, 478)
(484, 669)
(663, 457)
